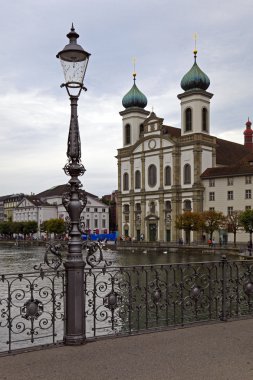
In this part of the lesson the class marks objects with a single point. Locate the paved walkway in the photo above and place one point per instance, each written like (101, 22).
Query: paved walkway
(222, 351)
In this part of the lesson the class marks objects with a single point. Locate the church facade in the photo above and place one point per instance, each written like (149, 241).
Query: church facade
(164, 171)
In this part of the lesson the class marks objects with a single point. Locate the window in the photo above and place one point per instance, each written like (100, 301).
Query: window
(103, 223)
(187, 205)
(167, 179)
(95, 209)
(230, 195)
(247, 207)
(87, 224)
(87, 209)
(248, 179)
(125, 181)
(212, 196)
(137, 179)
(95, 223)
(187, 174)
(188, 120)
(127, 134)
(230, 181)
(103, 209)
(248, 194)
(152, 175)
(141, 129)
(211, 209)
(212, 182)
(230, 210)
(204, 120)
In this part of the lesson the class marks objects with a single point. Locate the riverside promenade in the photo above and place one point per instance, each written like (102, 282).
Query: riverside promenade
(220, 351)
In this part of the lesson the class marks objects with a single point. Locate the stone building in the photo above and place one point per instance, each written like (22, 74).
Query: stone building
(163, 170)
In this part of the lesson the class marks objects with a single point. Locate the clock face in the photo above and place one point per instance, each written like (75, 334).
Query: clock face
(152, 144)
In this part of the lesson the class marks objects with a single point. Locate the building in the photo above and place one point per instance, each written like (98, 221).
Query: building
(163, 170)
(9, 204)
(95, 216)
(32, 208)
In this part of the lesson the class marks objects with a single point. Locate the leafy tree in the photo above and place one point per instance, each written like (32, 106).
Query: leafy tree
(55, 226)
(246, 218)
(188, 221)
(212, 221)
(234, 223)
(30, 227)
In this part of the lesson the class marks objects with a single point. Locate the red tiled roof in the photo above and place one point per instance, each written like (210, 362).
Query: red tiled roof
(229, 153)
(229, 171)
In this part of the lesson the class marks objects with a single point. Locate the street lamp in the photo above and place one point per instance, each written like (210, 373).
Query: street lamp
(74, 60)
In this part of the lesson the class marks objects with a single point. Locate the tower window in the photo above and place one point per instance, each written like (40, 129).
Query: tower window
(204, 120)
(137, 179)
(125, 181)
(127, 134)
(167, 175)
(141, 129)
(152, 175)
(187, 174)
(188, 119)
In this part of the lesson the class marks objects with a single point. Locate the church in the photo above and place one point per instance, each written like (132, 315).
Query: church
(164, 171)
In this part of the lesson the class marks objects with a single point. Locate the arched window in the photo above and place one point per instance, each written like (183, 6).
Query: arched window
(152, 175)
(204, 120)
(141, 129)
(187, 205)
(187, 174)
(125, 181)
(137, 179)
(167, 176)
(188, 119)
(127, 134)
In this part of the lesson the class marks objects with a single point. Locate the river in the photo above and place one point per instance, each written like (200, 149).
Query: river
(22, 259)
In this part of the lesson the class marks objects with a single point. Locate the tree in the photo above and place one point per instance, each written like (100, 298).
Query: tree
(212, 221)
(234, 223)
(246, 218)
(188, 221)
(55, 226)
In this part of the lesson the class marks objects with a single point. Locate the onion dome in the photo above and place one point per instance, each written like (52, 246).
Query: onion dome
(248, 131)
(195, 78)
(134, 97)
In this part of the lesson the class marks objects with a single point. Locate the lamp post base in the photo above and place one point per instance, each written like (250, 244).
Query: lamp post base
(74, 317)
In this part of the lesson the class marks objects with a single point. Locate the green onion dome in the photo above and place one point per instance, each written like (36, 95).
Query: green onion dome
(134, 97)
(195, 78)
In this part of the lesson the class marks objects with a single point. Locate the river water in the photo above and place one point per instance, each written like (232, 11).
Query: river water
(22, 259)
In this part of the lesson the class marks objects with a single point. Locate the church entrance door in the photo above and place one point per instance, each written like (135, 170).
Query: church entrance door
(152, 231)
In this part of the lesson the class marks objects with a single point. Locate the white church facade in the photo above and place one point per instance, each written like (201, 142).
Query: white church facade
(163, 170)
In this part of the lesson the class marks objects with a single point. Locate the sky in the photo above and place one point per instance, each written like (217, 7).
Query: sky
(35, 111)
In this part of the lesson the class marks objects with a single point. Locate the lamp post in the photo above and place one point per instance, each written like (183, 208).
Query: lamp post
(74, 60)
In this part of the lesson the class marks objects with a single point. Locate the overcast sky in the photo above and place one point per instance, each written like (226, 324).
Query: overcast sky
(35, 112)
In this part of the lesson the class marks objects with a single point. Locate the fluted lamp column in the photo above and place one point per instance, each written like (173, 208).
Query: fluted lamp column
(74, 60)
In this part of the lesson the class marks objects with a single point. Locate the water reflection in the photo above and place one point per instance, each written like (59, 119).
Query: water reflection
(14, 259)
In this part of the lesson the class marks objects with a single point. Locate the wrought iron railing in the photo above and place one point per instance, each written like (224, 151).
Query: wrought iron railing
(130, 300)
(123, 300)
(31, 309)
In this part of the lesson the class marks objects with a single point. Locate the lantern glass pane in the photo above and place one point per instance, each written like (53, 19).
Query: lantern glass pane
(74, 72)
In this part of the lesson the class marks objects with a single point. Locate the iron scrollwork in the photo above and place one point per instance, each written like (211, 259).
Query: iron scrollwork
(55, 261)
(94, 255)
